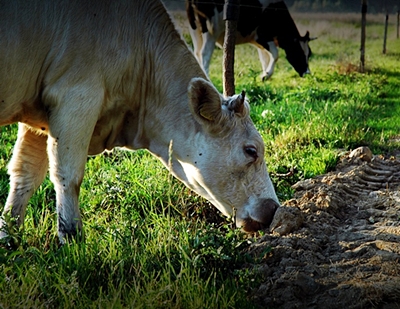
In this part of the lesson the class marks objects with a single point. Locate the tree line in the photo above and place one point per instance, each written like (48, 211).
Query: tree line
(354, 6)
(374, 6)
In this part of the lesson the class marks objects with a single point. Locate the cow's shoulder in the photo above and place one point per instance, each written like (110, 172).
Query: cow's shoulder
(249, 16)
(206, 8)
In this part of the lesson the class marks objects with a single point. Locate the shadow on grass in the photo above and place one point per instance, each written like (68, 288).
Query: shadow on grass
(386, 121)
(4, 187)
(393, 55)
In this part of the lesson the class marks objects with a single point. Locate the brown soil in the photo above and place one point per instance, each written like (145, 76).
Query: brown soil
(336, 244)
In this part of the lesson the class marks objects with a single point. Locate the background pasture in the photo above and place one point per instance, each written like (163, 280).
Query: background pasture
(150, 242)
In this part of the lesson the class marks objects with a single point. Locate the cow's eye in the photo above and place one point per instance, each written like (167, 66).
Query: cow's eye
(251, 151)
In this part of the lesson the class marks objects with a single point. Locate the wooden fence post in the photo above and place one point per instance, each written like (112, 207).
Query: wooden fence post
(385, 36)
(363, 26)
(231, 16)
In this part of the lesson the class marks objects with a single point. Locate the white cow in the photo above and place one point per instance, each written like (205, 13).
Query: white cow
(266, 24)
(84, 76)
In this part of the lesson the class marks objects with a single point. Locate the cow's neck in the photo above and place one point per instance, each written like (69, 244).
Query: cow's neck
(277, 23)
(168, 129)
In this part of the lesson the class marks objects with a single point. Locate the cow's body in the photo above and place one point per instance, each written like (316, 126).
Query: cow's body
(262, 24)
(83, 76)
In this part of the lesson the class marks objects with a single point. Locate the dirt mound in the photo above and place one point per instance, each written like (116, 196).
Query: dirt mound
(336, 244)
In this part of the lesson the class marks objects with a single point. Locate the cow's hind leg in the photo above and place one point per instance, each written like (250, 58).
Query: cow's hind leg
(71, 126)
(197, 41)
(27, 169)
(207, 50)
(268, 60)
(267, 63)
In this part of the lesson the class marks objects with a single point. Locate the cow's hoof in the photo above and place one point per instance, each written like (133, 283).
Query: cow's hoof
(76, 236)
(266, 77)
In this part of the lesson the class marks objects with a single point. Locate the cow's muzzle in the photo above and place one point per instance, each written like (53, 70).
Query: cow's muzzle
(305, 73)
(260, 218)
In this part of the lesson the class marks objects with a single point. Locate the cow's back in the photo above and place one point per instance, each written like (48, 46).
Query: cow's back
(43, 43)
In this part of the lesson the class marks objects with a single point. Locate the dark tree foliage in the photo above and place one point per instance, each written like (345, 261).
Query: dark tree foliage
(374, 6)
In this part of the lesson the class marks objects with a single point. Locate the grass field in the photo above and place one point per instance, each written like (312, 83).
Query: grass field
(150, 242)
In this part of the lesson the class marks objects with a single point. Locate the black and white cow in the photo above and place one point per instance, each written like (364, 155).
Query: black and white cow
(264, 24)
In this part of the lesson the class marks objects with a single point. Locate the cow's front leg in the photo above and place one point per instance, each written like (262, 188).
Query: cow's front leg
(70, 131)
(66, 176)
(27, 169)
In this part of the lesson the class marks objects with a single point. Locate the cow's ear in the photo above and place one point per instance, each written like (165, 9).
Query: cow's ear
(204, 100)
(307, 38)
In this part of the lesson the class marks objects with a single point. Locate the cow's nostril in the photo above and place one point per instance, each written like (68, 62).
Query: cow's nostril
(262, 218)
(251, 226)
(269, 208)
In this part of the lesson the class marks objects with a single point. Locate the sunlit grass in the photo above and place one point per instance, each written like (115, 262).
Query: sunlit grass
(307, 122)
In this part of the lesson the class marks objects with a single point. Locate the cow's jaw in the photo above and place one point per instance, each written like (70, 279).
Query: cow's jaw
(254, 215)
(192, 178)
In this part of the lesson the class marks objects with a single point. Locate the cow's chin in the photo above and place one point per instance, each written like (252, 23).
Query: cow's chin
(262, 218)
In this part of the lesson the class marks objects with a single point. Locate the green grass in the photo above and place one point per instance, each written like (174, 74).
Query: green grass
(146, 246)
(152, 243)
(307, 122)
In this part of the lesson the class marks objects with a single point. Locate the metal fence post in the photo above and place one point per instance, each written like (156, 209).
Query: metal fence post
(231, 16)
(385, 35)
(363, 26)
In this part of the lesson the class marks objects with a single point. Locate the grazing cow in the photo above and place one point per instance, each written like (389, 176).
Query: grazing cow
(266, 26)
(84, 76)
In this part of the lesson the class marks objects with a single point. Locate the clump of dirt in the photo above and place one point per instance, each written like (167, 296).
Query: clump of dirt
(336, 244)
(347, 68)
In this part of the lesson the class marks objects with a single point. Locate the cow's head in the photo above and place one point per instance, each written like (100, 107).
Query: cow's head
(298, 52)
(225, 162)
